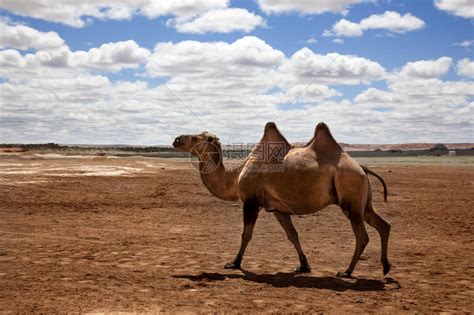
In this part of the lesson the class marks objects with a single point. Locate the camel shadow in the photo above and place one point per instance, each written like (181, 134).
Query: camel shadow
(291, 279)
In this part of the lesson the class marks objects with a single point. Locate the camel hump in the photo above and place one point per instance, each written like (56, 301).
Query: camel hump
(270, 125)
(322, 127)
(324, 143)
(272, 134)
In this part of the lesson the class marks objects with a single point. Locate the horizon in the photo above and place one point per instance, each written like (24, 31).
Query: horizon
(142, 72)
(232, 143)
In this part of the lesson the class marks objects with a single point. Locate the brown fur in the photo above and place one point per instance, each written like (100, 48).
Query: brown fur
(309, 179)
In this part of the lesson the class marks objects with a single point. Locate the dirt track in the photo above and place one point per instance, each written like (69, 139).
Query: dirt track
(149, 237)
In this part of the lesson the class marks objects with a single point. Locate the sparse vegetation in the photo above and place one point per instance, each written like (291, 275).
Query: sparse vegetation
(228, 153)
(55, 146)
(34, 146)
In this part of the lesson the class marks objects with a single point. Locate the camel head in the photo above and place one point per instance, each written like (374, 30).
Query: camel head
(199, 144)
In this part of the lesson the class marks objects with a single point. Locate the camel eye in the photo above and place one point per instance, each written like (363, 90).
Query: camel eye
(209, 139)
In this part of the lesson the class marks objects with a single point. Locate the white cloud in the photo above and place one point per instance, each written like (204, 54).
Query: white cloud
(75, 13)
(426, 69)
(217, 77)
(301, 93)
(465, 43)
(465, 68)
(393, 21)
(24, 37)
(418, 96)
(108, 57)
(305, 6)
(218, 21)
(231, 88)
(377, 97)
(11, 58)
(311, 40)
(338, 41)
(389, 20)
(112, 56)
(202, 58)
(463, 8)
(238, 71)
(333, 68)
(346, 28)
(434, 87)
(429, 118)
(70, 12)
(190, 16)
(421, 110)
(181, 8)
(418, 86)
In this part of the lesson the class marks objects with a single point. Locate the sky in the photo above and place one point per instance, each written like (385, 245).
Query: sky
(145, 71)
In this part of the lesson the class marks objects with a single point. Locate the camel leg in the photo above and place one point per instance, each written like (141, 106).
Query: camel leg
(361, 242)
(285, 221)
(250, 217)
(374, 220)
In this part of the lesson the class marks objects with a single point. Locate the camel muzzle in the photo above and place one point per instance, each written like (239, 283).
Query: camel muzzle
(177, 142)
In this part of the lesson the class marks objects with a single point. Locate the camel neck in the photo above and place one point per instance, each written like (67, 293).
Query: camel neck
(219, 181)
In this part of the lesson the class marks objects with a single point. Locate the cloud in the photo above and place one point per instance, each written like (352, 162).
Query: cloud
(426, 69)
(71, 13)
(311, 40)
(247, 80)
(219, 77)
(202, 58)
(463, 8)
(110, 57)
(24, 37)
(218, 21)
(229, 88)
(304, 6)
(338, 41)
(309, 94)
(377, 97)
(75, 13)
(188, 8)
(422, 110)
(418, 95)
(391, 21)
(190, 16)
(11, 58)
(345, 28)
(333, 68)
(465, 43)
(465, 68)
(417, 86)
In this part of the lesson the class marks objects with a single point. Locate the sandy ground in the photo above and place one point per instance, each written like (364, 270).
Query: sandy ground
(138, 234)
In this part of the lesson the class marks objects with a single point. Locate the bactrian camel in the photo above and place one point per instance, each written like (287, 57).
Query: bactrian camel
(298, 180)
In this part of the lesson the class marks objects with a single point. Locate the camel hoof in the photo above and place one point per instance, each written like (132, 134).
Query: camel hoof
(232, 265)
(303, 269)
(344, 274)
(386, 268)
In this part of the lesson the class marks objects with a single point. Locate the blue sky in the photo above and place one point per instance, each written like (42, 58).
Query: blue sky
(376, 71)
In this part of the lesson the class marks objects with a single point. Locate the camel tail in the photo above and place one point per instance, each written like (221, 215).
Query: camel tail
(369, 171)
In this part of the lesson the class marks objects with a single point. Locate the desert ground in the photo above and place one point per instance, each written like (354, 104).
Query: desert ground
(104, 234)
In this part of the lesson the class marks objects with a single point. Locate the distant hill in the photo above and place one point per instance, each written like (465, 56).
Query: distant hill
(9, 147)
(402, 146)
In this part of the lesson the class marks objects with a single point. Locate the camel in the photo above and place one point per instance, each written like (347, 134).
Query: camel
(292, 180)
